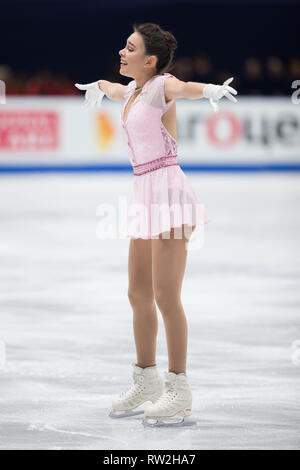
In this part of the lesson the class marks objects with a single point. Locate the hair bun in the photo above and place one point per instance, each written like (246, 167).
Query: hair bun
(170, 40)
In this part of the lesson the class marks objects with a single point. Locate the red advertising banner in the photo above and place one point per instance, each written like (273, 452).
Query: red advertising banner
(28, 130)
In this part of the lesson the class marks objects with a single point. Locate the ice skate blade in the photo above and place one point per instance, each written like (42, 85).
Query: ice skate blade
(168, 422)
(124, 414)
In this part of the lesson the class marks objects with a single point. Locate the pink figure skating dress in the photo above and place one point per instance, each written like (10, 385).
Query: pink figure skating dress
(161, 197)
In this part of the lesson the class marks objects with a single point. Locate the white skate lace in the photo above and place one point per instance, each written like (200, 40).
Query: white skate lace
(169, 395)
(134, 390)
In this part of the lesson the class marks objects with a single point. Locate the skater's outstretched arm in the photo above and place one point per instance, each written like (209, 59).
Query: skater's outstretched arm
(114, 91)
(175, 88)
(96, 90)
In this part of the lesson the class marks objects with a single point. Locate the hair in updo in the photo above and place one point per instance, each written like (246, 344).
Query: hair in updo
(158, 42)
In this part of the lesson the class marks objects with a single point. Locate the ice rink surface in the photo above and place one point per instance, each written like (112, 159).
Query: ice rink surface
(66, 322)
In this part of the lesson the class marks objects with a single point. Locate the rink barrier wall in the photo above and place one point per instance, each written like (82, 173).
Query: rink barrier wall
(44, 134)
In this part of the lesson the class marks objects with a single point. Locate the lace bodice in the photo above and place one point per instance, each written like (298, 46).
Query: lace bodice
(146, 135)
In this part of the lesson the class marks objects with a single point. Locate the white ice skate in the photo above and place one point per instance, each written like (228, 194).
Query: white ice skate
(174, 406)
(148, 386)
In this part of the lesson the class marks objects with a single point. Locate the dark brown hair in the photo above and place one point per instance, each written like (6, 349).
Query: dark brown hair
(158, 42)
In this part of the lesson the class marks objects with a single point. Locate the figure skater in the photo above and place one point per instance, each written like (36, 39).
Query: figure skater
(157, 249)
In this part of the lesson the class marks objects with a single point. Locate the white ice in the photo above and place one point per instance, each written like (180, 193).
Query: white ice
(66, 321)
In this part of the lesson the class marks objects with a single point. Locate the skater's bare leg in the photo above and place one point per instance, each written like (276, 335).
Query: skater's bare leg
(141, 297)
(169, 258)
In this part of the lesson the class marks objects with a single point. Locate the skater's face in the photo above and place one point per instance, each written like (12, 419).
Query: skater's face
(134, 56)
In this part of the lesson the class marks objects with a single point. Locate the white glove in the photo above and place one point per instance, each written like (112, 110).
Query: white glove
(93, 95)
(215, 92)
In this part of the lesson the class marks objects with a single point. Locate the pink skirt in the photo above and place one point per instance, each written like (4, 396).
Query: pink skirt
(159, 200)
